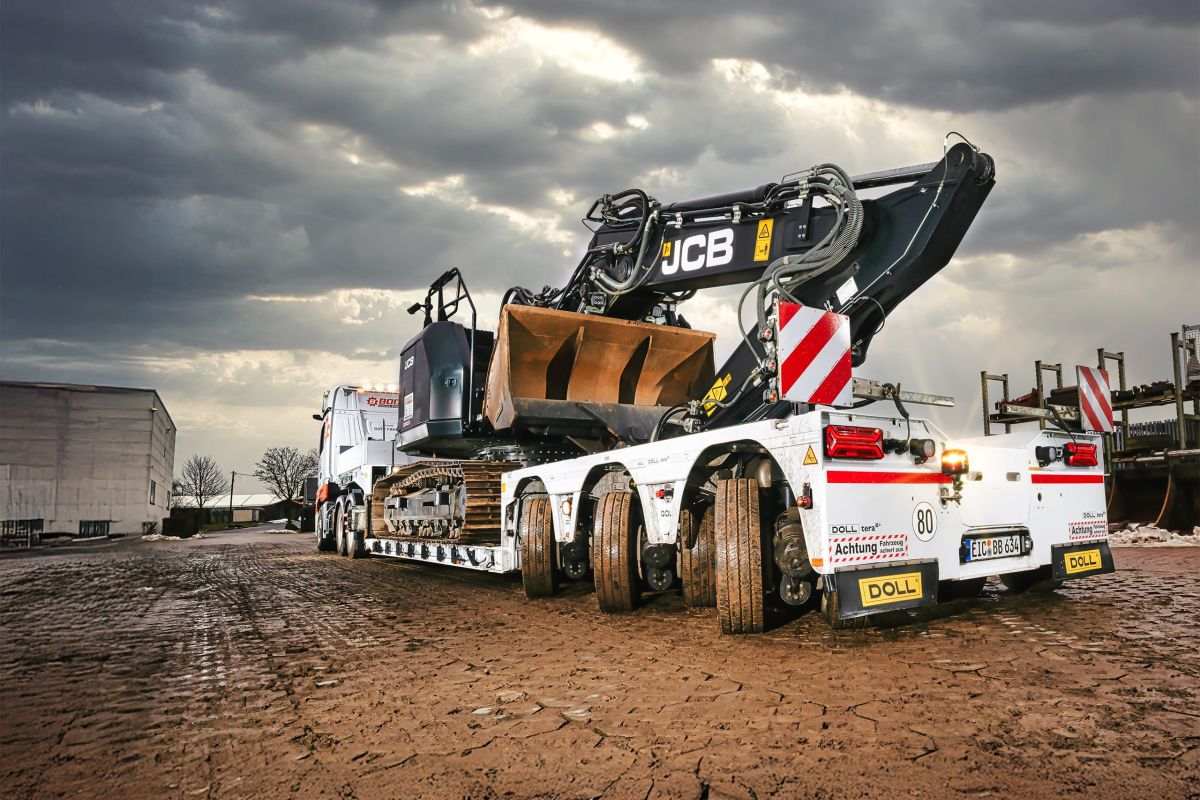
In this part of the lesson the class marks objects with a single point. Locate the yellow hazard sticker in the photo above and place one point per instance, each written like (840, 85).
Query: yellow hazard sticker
(1083, 561)
(718, 392)
(890, 589)
(762, 242)
(810, 457)
(666, 250)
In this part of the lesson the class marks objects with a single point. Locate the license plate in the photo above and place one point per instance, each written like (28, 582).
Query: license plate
(982, 548)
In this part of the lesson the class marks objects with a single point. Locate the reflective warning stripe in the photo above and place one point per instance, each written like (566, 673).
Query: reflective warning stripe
(1055, 477)
(814, 355)
(848, 476)
(1095, 402)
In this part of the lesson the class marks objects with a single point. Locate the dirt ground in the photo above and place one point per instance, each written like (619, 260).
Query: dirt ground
(248, 665)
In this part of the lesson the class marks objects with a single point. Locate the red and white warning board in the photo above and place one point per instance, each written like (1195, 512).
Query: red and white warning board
(1095, 402)
(814, 355)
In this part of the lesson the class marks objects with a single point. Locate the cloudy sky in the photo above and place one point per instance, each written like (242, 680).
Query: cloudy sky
(233, 202)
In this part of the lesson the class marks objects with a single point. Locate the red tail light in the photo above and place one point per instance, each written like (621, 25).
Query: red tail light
(1080, 455)
(844, 441)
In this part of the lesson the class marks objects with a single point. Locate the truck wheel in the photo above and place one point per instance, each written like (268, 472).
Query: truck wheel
(1038, 581)
(537, 548)
(739, 573)
(698, 558)
(614, 552)
(356, 546)
(339, 527)
(325, 543)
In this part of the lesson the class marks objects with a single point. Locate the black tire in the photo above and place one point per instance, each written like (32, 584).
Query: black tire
(537, 548)
(339, 529)
(738, 537)
(960, 590)
(615, 552)
(326, 543)
(1036, 581)
(698, 558)
(831, 615)
(356, 546)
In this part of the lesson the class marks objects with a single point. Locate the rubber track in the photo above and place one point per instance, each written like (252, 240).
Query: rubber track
(697, 558)
(537, 548)
(738, 535)
(614, 552)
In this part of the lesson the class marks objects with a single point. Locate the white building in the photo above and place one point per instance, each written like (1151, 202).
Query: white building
(84, 460)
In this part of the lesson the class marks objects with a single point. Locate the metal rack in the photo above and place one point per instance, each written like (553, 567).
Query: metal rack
(1153, 468)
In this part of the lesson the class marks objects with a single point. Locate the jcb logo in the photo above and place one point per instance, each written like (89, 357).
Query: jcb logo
(1083, 561)
(714, 249)
(890, 589)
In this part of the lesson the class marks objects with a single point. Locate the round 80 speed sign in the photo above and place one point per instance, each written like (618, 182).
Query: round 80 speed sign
(924, 521)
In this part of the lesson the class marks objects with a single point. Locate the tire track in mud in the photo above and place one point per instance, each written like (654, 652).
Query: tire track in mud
(247, 665)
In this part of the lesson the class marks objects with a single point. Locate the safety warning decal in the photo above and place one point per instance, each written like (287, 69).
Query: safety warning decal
(876, 547)
(762, 242)
(810, 457)
(814, 355)
(1088, 529)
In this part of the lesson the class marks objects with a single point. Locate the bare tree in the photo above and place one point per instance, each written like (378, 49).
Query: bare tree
(202, 479)
(283, 469)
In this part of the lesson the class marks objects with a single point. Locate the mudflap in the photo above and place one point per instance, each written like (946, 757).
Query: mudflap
(873, 590)
(1071, 561)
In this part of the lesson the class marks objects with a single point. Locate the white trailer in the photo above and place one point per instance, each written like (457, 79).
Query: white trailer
(873, 513)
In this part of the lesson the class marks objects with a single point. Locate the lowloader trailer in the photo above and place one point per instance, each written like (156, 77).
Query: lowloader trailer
(591, 434)
(870, 513)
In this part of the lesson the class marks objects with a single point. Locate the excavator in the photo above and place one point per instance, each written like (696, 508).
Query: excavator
(607, 360)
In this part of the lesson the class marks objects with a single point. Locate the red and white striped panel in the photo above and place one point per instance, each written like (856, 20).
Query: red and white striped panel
(1095, 402)
(814, 355)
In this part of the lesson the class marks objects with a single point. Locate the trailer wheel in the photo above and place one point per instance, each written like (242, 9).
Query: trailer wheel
(698, 558)
(614, 552)
(960, 590)
(738, 537)
(831, 614)
(339, 527)
(537, 548)
(1037, 581)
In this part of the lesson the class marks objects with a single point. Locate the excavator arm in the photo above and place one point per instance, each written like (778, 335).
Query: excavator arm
(808, 239)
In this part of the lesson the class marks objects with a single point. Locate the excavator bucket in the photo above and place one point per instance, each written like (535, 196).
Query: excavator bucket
(562, 369)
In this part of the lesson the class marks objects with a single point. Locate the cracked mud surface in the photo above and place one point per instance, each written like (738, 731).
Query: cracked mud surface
(247, 665)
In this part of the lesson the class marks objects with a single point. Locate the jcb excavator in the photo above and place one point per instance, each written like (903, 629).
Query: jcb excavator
(608, 361)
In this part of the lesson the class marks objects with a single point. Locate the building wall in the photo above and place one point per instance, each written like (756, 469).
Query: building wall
(75, 453)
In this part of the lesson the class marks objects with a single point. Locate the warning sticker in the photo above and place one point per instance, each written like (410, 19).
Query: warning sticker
(810, 457)
(762, 242)
(716, 394)
(666, 250)
(856, 549)
(1088, 529)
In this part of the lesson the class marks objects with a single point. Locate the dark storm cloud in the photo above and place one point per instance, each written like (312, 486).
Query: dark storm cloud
(962, 56)
(167, 164)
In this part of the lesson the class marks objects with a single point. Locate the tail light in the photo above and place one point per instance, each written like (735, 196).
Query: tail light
(1080, 455)
(955, 462)
(845, 441)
